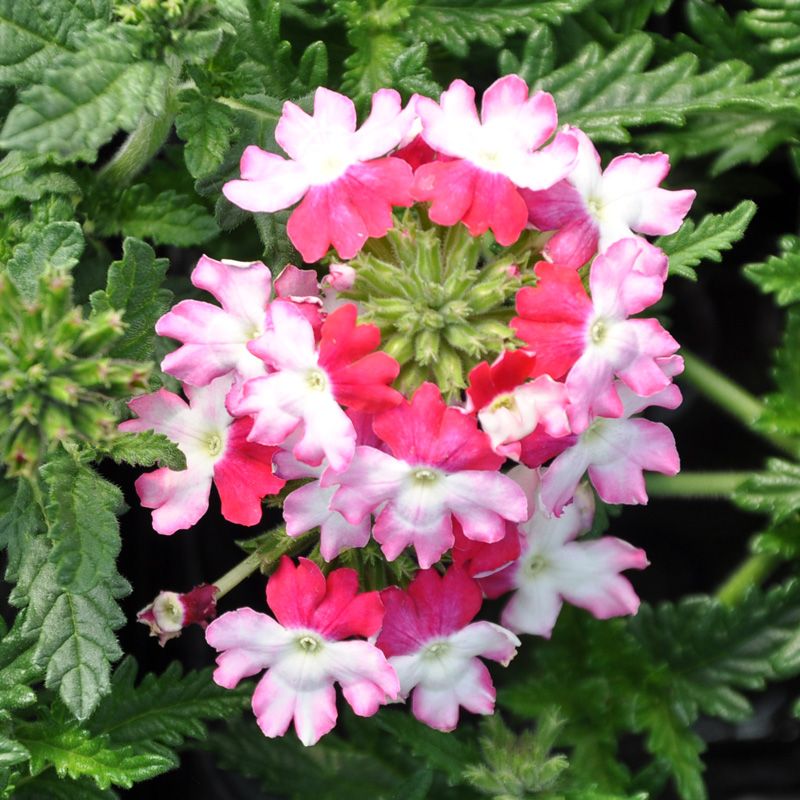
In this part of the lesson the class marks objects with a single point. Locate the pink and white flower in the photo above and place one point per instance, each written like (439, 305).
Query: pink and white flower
(303, 650)
(488, 158)
(439, 466)
(430, 640)
(554, 567)
(510, 407)
(346, 187)
(593, 338)
(615, 451)
(590, 209)
(309, 381)
(217, 450)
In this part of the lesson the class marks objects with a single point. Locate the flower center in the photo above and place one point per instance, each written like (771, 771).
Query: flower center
(308, 643)
(598, 331)
(436, 650)
(536, 565)
(425, 475)
(214, 444)
(316, 380)
(595, 206)
(168, 612)
(506, 401)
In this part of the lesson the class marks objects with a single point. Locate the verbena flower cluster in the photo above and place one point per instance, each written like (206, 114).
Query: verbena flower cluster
(286, 380)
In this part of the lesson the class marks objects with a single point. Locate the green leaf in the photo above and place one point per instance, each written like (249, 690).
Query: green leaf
(18, 525)
(33, 35)
(163, 709)
(693, 243)
(205, 126)
(18, 670)
(538, 55)
(84, 100)
(777, 22)
(75, 753)
(165, 218)
(145, 449)
(12, 752)
(50, 786)
(606, 94)
(782, 408)
(775, 492)
(134, 287)
(24, 177)
(457, 23)
(779, 275)
(84, 530)
(55, 247)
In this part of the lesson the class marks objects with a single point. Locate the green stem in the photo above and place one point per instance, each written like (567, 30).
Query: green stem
(741, 405)
(749, 573)
(696, 484)
(263, 558)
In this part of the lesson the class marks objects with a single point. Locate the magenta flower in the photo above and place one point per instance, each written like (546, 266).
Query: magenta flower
(216, 450)
(347, 189)
(439, 466)
(590, 209)
(554, 567)
(593, 337)
(309, 381)
(488, 158)
(304, 652)
(430, 640)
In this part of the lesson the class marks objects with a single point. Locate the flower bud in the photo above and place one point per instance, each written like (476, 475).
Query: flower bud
(171, 612)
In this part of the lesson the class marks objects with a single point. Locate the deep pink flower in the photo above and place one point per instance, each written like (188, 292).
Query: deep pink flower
(347, 189)
(590, 209)
(303, 651)
(309, 382)
(430, 640)
(593, 338)
(509, 406)
(487, 159)
(438, 466)
(216, 449)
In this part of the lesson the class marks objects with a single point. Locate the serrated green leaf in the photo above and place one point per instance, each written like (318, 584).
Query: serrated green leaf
(134, 287)
(606, 94)
(56, 247)
(12, 752)
(164, 218)
(145, 449)
(197, 46)
(75, 753)
(779, 275)
(705, 241)
(33, 35)
(163, 709)
(83, 527)
(20, 522)
(205, 126)
(775, 492)
(84, 100)
(538, 55)
(18, 670)
(24, 177)
(782, 408)
(48, 785)
(312, 71)
(777, 22)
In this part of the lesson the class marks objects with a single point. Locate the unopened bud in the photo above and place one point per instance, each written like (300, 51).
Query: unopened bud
(171, 612)
(23, 453)
(63, 390)
(100, 332)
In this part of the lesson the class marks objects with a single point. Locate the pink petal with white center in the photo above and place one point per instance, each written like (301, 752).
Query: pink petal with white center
(506, 104)
(547, 166)
(487, 640)
(472, 688)
(247, 642)
(534, 607)
(269, 182)
(423, 524)
(555, 208)
(178, 499)
(449, 127)
(562, 477)
(366, 677)
(288, 343)
(385, 127)
(243, 290)
(275, 401)
(297, 284)
(630, 188)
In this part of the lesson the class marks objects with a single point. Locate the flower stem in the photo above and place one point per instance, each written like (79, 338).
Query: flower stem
(732, 398)
(749, 573)
(696, 484)
(264, 558)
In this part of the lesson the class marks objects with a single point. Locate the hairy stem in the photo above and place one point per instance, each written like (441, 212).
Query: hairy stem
(749, 573)
(741, 405)
(264, 558)
(696, 484)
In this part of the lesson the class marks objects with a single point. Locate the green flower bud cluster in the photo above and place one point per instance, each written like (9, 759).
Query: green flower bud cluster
(441, 298)
(56, 377)
(138, 11)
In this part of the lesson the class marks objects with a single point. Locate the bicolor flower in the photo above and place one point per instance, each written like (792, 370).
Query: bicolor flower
(590, 209)
(171, 612)
(306, 649)
(510, 407)
(555, 566)
(593, 337)
(309, 381)
(488, 158)
(615, 451)
(346, 187)
(217, 450)
(430, 640)
(439, 466)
